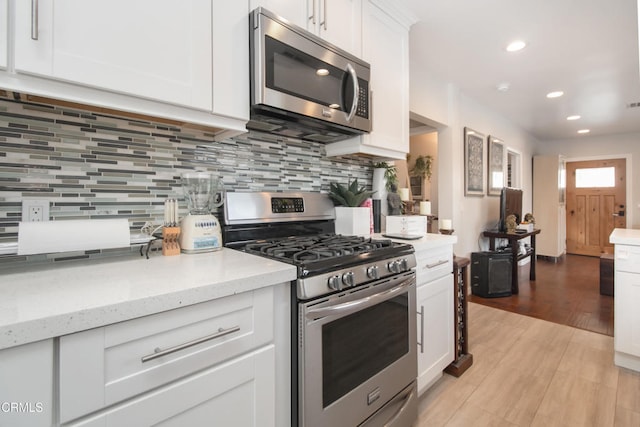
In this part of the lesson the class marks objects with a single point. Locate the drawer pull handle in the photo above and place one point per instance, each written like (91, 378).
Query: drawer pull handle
(159, 353)
(34, 19)
(435, 264)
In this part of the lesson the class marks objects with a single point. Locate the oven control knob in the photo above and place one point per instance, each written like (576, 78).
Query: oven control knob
(394, 267)
(335, 283)
(349, 279)
(373, 272)
(404, 264)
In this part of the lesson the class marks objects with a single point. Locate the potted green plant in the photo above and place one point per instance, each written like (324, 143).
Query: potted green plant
(422, 167)
(389, 174)
(351, 218)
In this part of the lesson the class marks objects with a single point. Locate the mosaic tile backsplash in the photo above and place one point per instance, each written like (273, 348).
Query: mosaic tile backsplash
(90, 165)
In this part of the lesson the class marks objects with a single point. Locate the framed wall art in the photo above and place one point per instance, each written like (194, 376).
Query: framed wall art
(496, 166)
(475, 160)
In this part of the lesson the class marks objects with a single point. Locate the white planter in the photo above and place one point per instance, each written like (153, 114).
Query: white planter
(353, 221)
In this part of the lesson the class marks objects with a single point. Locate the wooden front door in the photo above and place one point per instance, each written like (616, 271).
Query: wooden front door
(594, 209)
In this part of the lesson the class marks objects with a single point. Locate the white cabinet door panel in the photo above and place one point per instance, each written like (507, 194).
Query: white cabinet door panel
(26, 382)
(385, 45)
(4, 35)
(113, 45)
(340, 23)
(627, 322)
(435, 330)
(294, 11)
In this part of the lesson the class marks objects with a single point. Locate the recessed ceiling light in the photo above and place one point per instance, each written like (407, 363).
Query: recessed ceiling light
(556, 94)
(322, 72)
(576, 117)
(516, 45)
(503, 87)
(584, 131)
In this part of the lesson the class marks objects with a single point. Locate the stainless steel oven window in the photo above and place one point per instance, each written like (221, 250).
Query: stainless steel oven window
(358, 346)
(357, 350)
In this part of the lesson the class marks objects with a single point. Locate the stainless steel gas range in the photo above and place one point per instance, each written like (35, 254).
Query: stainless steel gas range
(353, 310)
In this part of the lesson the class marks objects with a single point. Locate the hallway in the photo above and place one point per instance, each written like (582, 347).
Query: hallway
(566, 292)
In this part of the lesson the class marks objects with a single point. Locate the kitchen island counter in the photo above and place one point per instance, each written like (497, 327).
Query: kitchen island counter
(53, 300)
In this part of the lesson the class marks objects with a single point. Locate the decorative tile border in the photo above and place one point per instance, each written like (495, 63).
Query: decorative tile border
(90, 165)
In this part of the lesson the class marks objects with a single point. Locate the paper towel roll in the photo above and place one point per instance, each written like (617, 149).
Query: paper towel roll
(72, 235)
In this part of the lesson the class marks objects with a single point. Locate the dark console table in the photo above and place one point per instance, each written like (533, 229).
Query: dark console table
(515, 255)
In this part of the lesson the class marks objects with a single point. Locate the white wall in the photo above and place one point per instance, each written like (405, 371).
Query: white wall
(450, 111)
(609, 146)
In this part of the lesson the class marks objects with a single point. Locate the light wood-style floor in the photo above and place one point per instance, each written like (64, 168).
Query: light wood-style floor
(531, 372)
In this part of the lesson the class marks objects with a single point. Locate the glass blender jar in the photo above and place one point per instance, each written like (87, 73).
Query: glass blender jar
(200, 230)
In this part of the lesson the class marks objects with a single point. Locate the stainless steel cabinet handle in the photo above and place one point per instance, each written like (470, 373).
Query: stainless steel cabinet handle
(34, 19)
(421, 342)
(323, 23)
(356, 92)
(312, 18)
(435, 264)
(159, 353)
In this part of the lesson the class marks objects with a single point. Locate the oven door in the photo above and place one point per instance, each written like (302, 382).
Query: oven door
(357, 351)
(295, 71)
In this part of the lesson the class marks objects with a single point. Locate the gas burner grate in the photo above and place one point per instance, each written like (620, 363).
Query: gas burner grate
(318, 247)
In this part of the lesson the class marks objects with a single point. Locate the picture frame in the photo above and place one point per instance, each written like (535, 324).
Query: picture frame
(496, 173)
(475, 161)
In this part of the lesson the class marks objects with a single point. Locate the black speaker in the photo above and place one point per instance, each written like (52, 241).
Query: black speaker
(491, 274)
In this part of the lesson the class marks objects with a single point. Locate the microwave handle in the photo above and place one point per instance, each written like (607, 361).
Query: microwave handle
(356, 92)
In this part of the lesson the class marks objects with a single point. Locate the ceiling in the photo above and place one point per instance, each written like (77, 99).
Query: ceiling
(586, 48)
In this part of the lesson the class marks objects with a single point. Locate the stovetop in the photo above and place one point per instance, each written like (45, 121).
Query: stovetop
(298, 228)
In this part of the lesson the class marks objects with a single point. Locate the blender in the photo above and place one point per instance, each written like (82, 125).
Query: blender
(200, 231)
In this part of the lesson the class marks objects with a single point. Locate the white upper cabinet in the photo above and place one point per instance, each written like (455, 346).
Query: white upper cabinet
(4, 25)
(157, 50)
(337, 21)
(294, 11)
(385, 46)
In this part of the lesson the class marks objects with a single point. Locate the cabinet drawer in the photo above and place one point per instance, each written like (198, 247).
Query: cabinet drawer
(627, 258)
(103, 366)
(239, 392)
(433, 263)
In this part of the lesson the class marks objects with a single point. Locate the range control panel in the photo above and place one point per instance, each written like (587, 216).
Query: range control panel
(287, 204)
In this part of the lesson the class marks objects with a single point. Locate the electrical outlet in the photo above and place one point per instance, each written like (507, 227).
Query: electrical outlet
(35, 210)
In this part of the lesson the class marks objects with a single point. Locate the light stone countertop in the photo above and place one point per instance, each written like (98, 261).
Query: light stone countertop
(625, 236)
(52, 300)
(428, 241)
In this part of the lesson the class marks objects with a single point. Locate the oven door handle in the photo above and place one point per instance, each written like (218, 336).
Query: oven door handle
(353, 306)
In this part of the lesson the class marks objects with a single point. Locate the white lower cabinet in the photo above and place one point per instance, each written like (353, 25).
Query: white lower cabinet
(26, 385)
(627, 301)
(435, 307)
(237, 393)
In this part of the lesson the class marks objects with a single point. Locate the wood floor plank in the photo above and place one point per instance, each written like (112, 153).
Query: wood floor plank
(537, 373)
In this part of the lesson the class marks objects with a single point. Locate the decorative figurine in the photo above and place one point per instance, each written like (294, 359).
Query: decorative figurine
(529, 218)
(511, 224)
(394, 201)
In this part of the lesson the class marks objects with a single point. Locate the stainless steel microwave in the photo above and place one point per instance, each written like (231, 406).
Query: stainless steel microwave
(302, 86)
